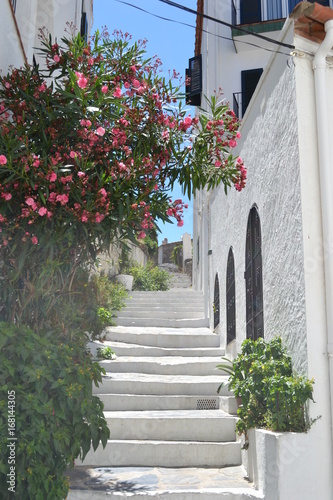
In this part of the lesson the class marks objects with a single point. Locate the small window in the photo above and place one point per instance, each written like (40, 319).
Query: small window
(253, 278)
(250, 79)
(216, 302)
(194, 85)
(231, 297)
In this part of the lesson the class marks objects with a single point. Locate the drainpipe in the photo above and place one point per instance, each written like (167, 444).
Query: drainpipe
(319, 66)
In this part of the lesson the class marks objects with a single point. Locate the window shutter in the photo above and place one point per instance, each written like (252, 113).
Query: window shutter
(194, 87)
(250, 11)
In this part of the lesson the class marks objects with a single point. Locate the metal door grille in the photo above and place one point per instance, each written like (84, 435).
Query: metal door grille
(253, 278)
(231, 298)
(216, 302)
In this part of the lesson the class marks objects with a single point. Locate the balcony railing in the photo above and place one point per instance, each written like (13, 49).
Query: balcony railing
(13, 2)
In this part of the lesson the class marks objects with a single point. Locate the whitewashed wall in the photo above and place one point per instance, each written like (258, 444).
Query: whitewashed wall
(30, 17)
(279, 146)
(269, 146)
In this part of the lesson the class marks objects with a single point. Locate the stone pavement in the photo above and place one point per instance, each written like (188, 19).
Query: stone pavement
(157, 482)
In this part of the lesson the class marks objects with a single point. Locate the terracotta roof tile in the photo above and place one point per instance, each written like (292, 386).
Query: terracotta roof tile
(310, 19)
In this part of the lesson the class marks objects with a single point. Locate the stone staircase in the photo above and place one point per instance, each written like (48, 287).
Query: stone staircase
(171, 435)
(175, 308)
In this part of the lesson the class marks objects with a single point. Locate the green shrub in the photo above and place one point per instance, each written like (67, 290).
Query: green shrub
(177, 255)
(149, 277)
(89, 307)
(272, 396)
(105, 353)
(56, 418)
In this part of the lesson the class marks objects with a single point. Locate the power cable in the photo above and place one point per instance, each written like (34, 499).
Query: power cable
(203, 30)
(205, 16)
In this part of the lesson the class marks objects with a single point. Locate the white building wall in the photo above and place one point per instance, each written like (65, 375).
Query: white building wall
(30, 17)
(279, 147)
(11, 52)
(269, 146)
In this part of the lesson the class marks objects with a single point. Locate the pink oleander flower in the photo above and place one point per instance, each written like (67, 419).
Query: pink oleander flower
(6, 196)
(218, 163)
(141, 235)
(117, 92)
(82, 81)
(232, 143)
(53, 177)
(136, 83)
(3, 160)
(180, 223)
(73, 154)
(56, 58)
(31, 203)
(100, 131)
(62, 198)
(238, 135)
(105, 89)
(42, 211)
(81, 174)
(34, 240)
(84, 218)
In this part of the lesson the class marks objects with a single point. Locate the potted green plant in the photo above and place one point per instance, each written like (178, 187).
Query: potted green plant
(272, 414)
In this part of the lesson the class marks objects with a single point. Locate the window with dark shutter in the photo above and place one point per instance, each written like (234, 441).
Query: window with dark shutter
(194, 81)
(250, 79)
(253, 278)
(216, 302)
(231, 297)
(250, 11)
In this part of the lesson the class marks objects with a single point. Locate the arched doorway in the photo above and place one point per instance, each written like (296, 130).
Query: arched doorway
(253, 278)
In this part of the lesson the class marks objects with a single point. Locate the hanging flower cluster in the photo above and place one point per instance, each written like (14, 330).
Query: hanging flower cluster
(98, 141)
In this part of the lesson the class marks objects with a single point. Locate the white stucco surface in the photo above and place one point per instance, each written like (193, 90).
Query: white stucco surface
(269, 146)
(280, 148)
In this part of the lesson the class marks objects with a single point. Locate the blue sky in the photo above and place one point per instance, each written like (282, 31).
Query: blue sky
(172, 42)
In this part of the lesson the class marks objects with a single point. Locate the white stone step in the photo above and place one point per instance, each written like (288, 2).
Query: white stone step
(156, 313)
(124, 349)
(135, 402)
(164, 305)
(141, 383)
(187, 294)
(165, 454)
(163, 337)
(165, 365)
(162, 322)
(170, 425)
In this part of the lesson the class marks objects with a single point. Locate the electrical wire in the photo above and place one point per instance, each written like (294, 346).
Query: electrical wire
(203, 30)
(205, 16)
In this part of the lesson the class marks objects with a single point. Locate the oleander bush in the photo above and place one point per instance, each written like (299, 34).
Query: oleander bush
(91, 145)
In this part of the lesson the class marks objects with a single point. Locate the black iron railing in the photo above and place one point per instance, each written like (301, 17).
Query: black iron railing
(13, 2)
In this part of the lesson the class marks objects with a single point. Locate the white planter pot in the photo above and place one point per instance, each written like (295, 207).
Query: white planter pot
(281, 464)
(126, 280)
